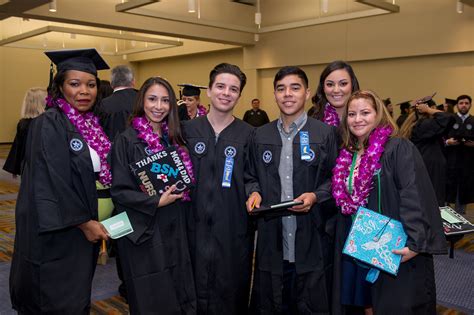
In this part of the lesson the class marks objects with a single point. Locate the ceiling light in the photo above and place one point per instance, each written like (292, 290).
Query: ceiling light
(52, 6)
(191, 6)
(459, 7)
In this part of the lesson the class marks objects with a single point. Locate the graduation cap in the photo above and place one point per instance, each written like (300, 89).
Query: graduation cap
(450, 101)
(86, 60)
(191, 89)
(404, 105)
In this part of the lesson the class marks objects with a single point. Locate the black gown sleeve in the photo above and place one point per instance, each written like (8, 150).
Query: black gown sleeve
(14, 161)
(251, 174)
(419, 212)
(126, 194)
(56, 192)
(323, 189)
(437, 126)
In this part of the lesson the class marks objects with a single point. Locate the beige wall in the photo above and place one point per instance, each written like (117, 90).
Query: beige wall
(427, 47)
(21, 69)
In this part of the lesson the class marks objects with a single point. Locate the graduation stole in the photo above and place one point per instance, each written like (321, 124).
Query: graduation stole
(89, 128)
(145, 132)
(363, 182)
(331, 117)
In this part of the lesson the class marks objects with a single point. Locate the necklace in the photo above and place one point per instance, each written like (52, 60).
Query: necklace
(331, 117)
(145, 132)
(363, 181)
(89, 128)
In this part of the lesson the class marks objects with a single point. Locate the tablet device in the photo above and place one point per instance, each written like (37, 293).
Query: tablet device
(279, 206)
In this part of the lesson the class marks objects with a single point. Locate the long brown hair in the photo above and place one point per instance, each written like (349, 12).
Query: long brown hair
(34, 102)
(383, 118)
(319, 99)
(174, 129)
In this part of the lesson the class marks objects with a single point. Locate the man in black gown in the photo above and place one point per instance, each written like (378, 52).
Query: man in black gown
(220, 238)
(115, 109)
(460, 155)
(256, 117)
(291, 159)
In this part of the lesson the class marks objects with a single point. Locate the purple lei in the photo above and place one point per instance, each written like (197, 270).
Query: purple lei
(89, 128)
(331, 117)
(201, 110)
(363, 182)
(145, 132)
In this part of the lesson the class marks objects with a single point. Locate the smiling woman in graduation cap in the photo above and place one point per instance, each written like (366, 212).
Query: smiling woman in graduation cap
(57, 212)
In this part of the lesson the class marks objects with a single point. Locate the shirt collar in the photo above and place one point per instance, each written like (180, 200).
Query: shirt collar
(463, 117)
(296, 125)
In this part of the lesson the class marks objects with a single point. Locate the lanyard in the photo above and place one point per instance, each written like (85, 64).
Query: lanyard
(350, 184)
(351, 174)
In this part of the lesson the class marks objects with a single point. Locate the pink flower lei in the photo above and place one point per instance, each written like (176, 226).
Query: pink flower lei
(201, 110)
(363, 182)
(331, 117)
(145, 132)
(89, 128)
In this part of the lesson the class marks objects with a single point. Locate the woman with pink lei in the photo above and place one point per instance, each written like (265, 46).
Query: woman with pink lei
(336, 83)
(155, 257)
(57, 211)
(377, 170)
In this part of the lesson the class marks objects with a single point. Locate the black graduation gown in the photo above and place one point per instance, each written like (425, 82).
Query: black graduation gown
(115, 110)
(408, 196)
(220, 236)
(53, 263)
(16, 155)
(427, 135)
(256, 118)
(460, 164)
(155, 258)
(313, 244)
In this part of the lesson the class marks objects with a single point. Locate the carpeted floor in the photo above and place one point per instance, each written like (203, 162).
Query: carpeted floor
(454, 277)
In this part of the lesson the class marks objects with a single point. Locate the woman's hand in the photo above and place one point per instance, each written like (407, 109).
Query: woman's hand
(168, 197)
(254, 201)
(309, 199)
(406, 253)
(94, 231)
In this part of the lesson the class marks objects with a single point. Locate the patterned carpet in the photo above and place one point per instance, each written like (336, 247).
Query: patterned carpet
(108, 302)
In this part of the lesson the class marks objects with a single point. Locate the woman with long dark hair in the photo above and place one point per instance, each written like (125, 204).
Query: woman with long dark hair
(336, 83)
(155, 258)
(57, 211)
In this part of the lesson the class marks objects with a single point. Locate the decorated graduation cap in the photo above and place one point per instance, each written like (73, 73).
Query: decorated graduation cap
(191, 89)
(86, 60)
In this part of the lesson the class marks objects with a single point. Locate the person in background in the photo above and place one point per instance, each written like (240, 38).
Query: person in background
(34, 104)
(105, 89)
(291, 159)
(115, 110)
(426, 127)
(155, 258)
(57, 211)
(404, 112)
(192, 107)
(460, 156)
(336, 83)
(388, 103)
(256, 117)
(380, 171)
(221, 238)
